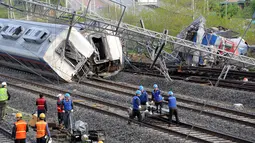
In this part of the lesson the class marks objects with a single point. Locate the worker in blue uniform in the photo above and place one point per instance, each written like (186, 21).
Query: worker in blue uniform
(136, 104)
(157, 98)
(144, 96)
(172, 108)
(68, 108)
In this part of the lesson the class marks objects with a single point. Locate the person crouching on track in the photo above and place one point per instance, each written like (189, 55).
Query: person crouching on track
(144, 97)
(19, 130)
(157, 98)
(172, 108)
(136, 103)
(42, 129)
(60, 109)
(68, 108)
(41, 105)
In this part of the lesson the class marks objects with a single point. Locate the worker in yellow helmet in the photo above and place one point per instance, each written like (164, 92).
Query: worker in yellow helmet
(20, 129)
(42, 129)
(4, 96)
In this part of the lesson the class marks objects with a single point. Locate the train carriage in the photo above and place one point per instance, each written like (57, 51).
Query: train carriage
(42, 48)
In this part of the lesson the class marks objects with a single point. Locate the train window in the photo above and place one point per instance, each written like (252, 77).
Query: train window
(17, 31)
(44, 34)
(71, 55)
(5, 28)
(37, 33)
(11, 29)
(28, 31)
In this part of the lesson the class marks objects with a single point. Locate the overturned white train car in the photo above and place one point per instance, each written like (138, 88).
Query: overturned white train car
(41, 48)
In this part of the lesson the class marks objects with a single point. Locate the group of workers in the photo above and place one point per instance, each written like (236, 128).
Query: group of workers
(20, 129)
(64, 108)
(141, 99)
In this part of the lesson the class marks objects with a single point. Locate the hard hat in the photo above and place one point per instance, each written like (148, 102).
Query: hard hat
(170, 93)
(67, 95)
(18, 115)
(155, 86)
(245, 79)
(84, 137)
(59, 95)
(141, 87)
(42, 116)
(4, 83)
(100, 142)
(138, 92)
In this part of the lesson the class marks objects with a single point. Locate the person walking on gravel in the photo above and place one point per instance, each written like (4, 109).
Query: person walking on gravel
(157, 98)
(4, 96)
(172, 108)
(41, 105)
(42, 130)
(60, 109)
(136, 103)
(144, 96)
(68, 108)
(19, 130)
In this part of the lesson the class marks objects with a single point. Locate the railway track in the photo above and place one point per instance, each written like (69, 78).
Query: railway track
(5, 136)
(112, 109)
(183, 102)
(232, 74)
(235, 84)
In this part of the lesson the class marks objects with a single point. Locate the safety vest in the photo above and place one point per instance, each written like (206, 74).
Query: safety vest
(40, 129)
(40, 103)
(59, 106)
(21, 129)
(3, 94)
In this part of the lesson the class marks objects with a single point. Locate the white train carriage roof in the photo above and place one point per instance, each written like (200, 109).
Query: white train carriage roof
(26, 38)
(40, 42)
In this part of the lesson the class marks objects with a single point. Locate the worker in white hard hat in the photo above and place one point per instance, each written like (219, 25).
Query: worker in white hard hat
(245, 79)
(4, 96)
(60, 109)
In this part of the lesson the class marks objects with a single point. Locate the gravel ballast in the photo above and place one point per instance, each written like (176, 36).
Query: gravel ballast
(221, 95)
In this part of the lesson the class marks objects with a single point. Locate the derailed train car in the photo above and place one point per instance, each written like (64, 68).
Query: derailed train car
(216, 37)
(41, 48)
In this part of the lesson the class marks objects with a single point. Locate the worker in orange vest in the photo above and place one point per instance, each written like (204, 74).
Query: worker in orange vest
(42, 129)
(20, 129)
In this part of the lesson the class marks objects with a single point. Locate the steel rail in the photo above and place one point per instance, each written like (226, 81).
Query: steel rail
(197, 128)
(186, 68)
(224, 83)
(6, 134)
